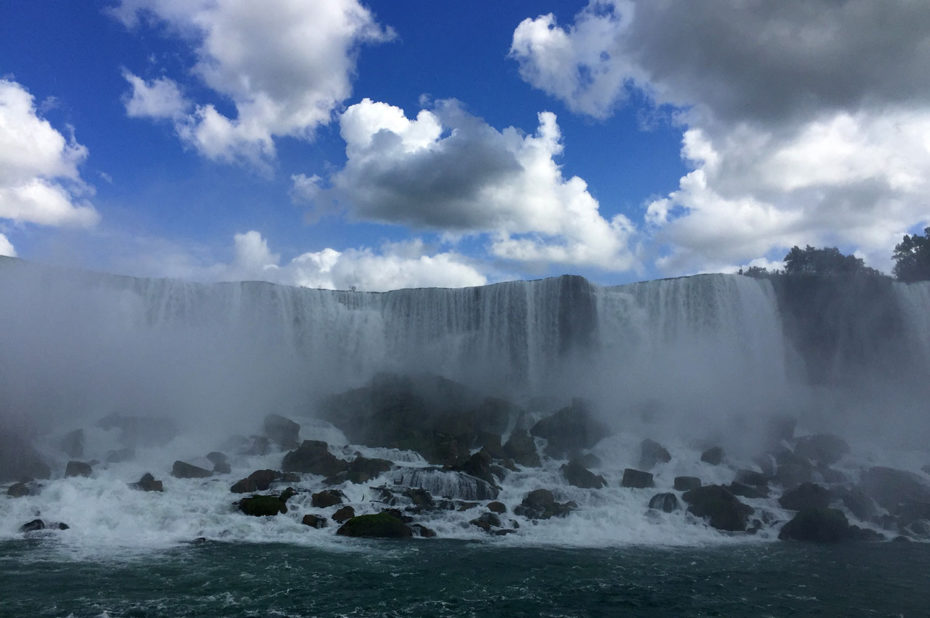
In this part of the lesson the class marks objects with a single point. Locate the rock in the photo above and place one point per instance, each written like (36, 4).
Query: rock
(636, 479)
(487, 521)
(314, 521)
(890, 487)
(326, 498)
(136, 431)
(686, 483)
(256, 445)
(78, 468)
(570, 430)
(422, 531)
(184, 470)
(817, 525)
(313, 457)
(860, 505)
(421, 498)
(713, 456)
(381, 525)
(120, 455)
(72, 444)
(579, 476)
(823, 448)
(866, 535)
(220, 462)
(147, 483)
(805, 496)
(541, 504)
(521, 447)
(497, 507)
(260, 480)
(362, 469)
(747, 491)
(751, 477)
(38, 524)
(831, 476)
(264, 506)
(780, 429)
(18, 459)
(715, 503)
(910, 512)
(18, 490)
(665, 502)
(790, 475)
(652, 453)
(479, 466)
(344, 514)
(282, 431)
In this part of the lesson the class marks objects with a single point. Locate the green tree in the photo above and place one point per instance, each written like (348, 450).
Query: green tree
(827, 261)
(912, 257)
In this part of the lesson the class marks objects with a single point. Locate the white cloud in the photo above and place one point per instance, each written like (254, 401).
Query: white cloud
(39, 178)
(157, 98)
(6, 247)
(448, 170)
(284, 64)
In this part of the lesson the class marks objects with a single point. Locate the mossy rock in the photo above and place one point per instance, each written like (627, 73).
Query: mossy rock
(381, 525)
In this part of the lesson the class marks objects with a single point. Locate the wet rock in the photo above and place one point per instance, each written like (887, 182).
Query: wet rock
(497, 507)
(18, 459)
(446, 483)
(570, 430)
(823, 448)
(18, 490)
(282, 431)
(747, 491)
(260, 480)
(37, 524)
(521, 447)
(751, 477)
(579, 476)
(72, 444)
(780, 429)
(686, 483)
(220, 462)
(479, 466)
(256, 445)
(148, 483)
(652, 453)
(860, 505)
(805, 496)
(487, 521)
(266, 506)
(327, 498)
(719, 506)
(313, 457)
(831, 476)
(362, 469)
(817, 525)
(78, 468)
(866, 535)
(344, 514)
(665, 502)
(421, 498)
(541, 504)
(909, 512)
(140, 431)
(636, 479)
(184, 470)
(381, 525)
(713, 456)
(314, 521)
(890, 487)
(422, 531)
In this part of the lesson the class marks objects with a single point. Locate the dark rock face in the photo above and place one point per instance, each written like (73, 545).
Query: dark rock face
(260, 480)
(713, 456)
(138, 431)
(569, 430)
(890, 487)
(817, 525)
(665, 502)
(497, 507)
(636, 479)
(805, 496)
(78, 468)
(686, 483)
(652, 453)
(72, 444)
(487, 521)
(18, 459)
(479, 466)
(314, 521)
(421, 498)
(522, 449)
(148, 483)
(859, 504)
(381, 525)
(220, 462)
(824, 449)
(18, 490)
(184, 470)
(541, 504)
(751, 477)
(266, 506)
(344, 514)
(326, 498)
(579, 476)
(313, 457)
(37, 524)
(747, 491)
(715, 503)
(422, 531)
(362, 469)
(282, 431)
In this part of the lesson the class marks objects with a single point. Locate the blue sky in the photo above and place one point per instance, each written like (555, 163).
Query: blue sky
(388, 144)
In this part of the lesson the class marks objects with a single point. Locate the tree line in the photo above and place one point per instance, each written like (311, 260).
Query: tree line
(911, 257)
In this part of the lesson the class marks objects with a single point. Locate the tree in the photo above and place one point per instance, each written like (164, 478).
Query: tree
(912, 257)
(827, 261)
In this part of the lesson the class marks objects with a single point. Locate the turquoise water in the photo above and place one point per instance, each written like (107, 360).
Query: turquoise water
(452, 578)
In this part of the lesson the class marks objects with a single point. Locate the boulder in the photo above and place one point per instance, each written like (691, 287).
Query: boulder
(362, 469)
(421, 498)
(665, 502)
(326, 498)
(78, 468)
(147, 483)
(721, 508)
(314, 521)
(260, 480)
(18, 459)
(541, 504)
(890, 487)
(479, 466)
(822, 448)
(859, 504)
(344, 514)
(184, 470)
(72, 444)
(652, 453)
(18, 490)
(37, 524)
(713, 456)
(579, 476)
(422, 531)
(636, 478)
(747, 491)
(780, 429)
(751, 477)
(805, 496)
(569, 430)
(497, 507)
(255, 445)
(817, 525)
(487, 521)
(381, 525)
(521, 447)
(220, 462)
(685, 483)
(313, 457)
(282, 431)
(265, 506)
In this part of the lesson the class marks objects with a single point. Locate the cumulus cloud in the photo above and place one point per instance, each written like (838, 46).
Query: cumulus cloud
(6, 247)
(284, 64)
(39, 178)
(803, 122)
(450, 171)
